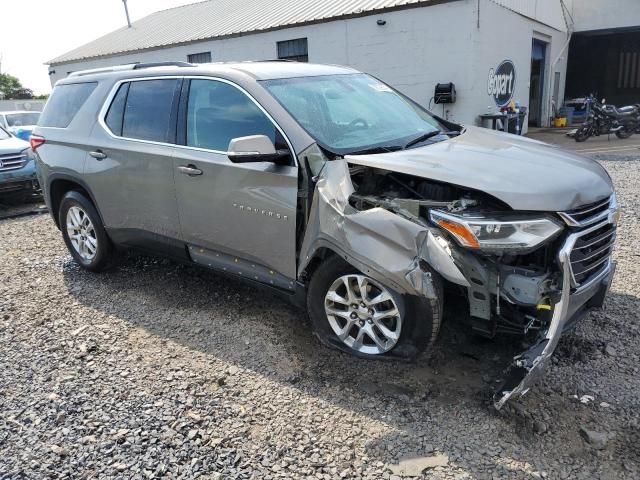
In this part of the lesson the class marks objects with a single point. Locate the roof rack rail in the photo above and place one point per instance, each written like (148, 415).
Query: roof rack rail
(91, 71)
(140, 66)
(129, 66)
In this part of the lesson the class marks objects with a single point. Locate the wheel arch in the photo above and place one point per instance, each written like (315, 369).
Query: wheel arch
(317, 257)
(59, 185)
(324, 249)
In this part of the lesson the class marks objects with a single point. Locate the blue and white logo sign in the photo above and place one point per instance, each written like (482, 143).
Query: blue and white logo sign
(502, 83)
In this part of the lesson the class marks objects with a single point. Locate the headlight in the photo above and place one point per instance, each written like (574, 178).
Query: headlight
(495, 234)
(614, 209)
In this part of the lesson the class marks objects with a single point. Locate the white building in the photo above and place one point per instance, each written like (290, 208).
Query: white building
(492, 50)
(24, 105)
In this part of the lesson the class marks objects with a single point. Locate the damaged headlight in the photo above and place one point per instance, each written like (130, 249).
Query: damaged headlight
(495, 234)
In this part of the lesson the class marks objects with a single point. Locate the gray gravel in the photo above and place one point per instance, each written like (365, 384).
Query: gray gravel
(161, 370)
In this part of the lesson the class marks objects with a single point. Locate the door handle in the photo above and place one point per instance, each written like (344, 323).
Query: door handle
(190, 170)
(98, 154)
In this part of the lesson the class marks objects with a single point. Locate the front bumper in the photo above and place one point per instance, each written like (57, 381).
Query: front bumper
(573, 305)
(24, 178)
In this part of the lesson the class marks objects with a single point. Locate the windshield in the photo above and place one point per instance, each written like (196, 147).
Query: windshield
(351, 113)
(20, 119)
(4, 135)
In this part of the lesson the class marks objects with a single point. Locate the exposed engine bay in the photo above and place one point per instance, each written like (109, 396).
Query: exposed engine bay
(507, 293)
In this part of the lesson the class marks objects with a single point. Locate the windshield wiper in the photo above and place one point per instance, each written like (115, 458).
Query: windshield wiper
(390, 148)
(427, 136)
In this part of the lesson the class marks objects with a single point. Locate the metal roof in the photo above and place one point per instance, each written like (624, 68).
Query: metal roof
(224, 18)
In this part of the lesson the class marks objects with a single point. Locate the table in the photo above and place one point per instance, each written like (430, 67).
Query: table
(501, 121)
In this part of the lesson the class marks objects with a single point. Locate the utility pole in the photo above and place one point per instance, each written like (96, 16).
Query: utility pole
(126, 12)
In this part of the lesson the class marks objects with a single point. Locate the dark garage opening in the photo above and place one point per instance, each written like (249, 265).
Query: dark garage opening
(607, 64)
(536, 84)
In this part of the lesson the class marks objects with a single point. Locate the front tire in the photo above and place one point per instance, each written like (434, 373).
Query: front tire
(84, 233)
(624, 133)
(581, 135)
(352, 312)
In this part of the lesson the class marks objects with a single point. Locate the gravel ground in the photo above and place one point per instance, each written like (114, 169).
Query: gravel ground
(162, 370)
(12, 208)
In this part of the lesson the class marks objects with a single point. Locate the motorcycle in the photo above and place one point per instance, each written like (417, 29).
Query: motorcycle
(607, 119)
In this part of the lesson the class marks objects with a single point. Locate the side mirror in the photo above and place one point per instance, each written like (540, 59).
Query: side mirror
(254, 148)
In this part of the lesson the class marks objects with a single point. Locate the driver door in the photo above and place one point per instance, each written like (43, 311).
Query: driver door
(236, 217)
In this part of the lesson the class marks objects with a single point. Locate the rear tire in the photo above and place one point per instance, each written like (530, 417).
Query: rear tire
(84, 233)
(413, 330)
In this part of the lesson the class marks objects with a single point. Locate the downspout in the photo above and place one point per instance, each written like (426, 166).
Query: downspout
(570, 25)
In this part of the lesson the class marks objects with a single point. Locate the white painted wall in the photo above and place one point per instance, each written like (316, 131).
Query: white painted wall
(32, 105)
(548, 12)
(509, 36)
(601, 14)
(415, 50)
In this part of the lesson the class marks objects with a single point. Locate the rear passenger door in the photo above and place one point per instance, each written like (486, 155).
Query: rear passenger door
(238, 217)
(130, 168)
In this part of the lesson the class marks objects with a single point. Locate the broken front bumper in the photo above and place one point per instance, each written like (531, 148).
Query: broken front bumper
(574, 304)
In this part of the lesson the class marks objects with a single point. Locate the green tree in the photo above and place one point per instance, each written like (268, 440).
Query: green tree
(23, 94)
(10, 86)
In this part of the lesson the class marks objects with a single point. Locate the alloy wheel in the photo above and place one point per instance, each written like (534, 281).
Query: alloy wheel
(82, 233)
(363, 314)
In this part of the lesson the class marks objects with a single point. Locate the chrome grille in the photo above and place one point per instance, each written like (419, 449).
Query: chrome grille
(591, 252)
(588, 214)
(12, 161)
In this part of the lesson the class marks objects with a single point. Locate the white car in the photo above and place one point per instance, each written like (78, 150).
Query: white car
(19, 122)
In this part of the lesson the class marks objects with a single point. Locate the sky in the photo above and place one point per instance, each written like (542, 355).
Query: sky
(35, 31)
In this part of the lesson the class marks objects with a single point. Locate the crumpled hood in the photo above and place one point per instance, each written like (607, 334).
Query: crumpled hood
(523, 173)
(12, 145)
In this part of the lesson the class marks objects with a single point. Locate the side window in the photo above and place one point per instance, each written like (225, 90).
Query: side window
(64, 103)
(147, 112)
(115, 115)
(204, 57)
(296, 50)
(218, 112)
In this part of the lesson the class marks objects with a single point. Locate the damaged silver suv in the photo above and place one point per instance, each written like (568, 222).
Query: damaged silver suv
(329, 186)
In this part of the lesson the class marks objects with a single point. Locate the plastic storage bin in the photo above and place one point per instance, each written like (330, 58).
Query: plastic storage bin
(567, 112)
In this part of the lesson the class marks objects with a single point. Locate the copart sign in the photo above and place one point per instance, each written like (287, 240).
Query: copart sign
(502, 83)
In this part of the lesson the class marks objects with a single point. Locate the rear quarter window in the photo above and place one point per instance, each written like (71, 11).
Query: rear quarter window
(64, 103)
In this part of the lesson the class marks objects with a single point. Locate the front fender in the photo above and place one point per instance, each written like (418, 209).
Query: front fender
(380, 243)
